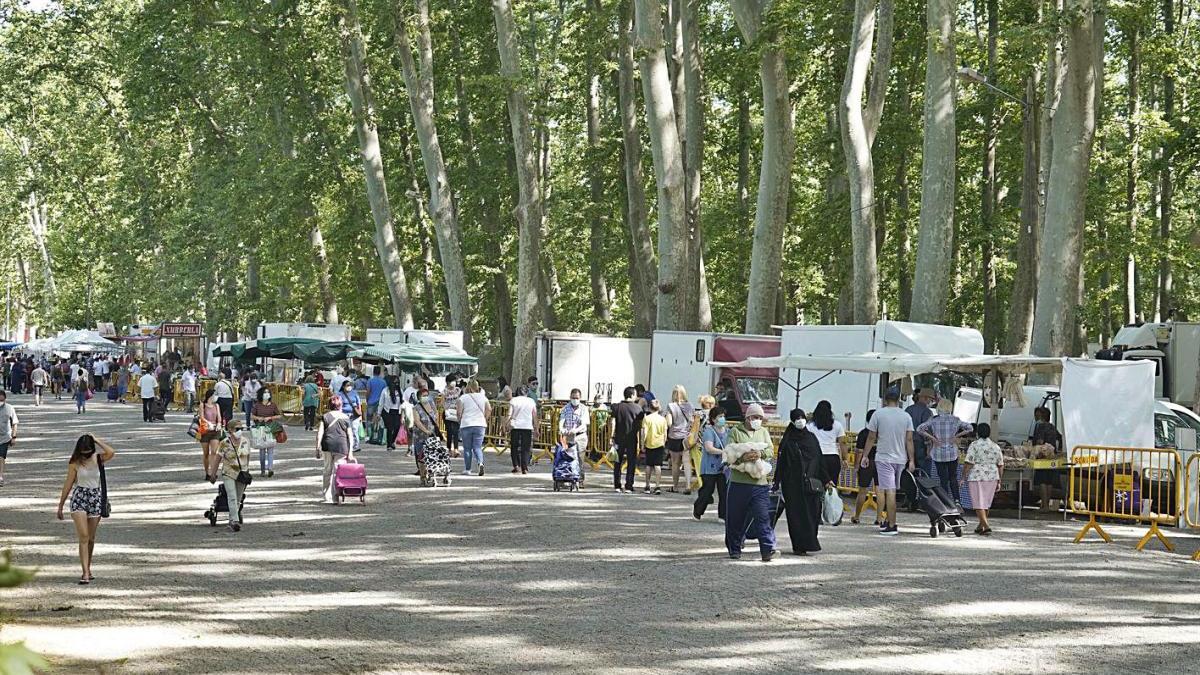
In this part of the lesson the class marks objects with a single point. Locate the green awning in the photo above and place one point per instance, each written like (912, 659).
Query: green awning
(274, 348)
(414, 354)
(329, 352)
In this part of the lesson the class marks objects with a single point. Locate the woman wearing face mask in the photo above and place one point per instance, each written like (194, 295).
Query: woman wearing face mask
(210, 434)
(712, 470)
(265, 414)
(250, 389)
(749, 510)
(802, 475)
(352, 407)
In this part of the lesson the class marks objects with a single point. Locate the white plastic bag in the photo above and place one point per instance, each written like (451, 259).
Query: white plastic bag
(832, 507)
(261, 438)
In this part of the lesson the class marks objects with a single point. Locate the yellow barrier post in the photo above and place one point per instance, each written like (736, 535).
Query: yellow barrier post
(1191, 505)
(1125, 484)
(494, 436)
(546, 435)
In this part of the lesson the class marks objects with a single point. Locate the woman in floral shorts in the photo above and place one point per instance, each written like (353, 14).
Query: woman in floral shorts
(87, 499)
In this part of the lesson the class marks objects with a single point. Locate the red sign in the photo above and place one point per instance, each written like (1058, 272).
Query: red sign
(181, 330)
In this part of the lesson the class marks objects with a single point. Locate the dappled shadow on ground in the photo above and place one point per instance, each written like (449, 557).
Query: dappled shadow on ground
(499, 574)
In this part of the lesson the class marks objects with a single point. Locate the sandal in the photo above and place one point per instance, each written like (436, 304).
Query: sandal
(854, 521)
(83, 581)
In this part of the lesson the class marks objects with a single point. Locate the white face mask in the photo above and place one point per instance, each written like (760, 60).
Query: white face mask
(574, 401)
(266, 397)
(800, 423)
(755, 424)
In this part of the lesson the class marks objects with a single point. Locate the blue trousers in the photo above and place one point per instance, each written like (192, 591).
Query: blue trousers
(748, 514)
(472, 447)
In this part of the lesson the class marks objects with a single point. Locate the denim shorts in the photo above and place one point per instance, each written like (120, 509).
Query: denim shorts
(4, 450)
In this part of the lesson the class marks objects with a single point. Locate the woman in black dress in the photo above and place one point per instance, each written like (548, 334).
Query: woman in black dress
(802, 477)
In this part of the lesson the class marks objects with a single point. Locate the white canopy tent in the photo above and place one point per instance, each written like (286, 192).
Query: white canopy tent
(86, 341)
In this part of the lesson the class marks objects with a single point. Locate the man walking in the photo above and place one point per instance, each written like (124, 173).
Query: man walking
(40, 378)
(921, 411)
(187, 382)
(8, 430)
(891, 432)
(146, 385)
(627, 424)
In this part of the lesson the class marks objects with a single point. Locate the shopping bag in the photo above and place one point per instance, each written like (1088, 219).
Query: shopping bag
(261, 438)
(194, 428)
(832, 507)
(378, 434)
(402, 436)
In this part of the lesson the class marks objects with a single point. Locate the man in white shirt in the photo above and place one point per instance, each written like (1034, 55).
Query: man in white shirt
(147, 384)
(40, 378)
(188, 383)
(891, 432)
(98, 372)
(8, 430)
(522, 411)
(135, 369)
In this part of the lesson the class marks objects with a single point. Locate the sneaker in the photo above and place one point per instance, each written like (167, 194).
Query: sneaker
(481, 471)
(618, 490)
(735, 556)
(467, 473)
(271, 474)
(890, 531)
(770, 555)
(234, 527)
(516, 470)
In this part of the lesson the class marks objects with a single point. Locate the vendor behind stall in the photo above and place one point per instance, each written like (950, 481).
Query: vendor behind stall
(1045, 434)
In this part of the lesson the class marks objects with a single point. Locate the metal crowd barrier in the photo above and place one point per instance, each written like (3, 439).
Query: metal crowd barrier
(1191, 495)
(1136, 484)
(495, 436)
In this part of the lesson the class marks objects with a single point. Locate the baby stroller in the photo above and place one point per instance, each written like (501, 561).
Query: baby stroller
(158, 411)
(350, 480)
(943, 512)
(565, 469)
(221, 505)
(436, 457)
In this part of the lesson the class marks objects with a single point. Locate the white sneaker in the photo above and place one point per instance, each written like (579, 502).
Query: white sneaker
(467, 473)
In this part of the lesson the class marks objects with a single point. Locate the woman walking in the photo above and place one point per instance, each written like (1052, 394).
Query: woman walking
(829, 434)
(87, 499)
(250, 389)
(680, 417)
(433, 463)
(352, 407)
(983, 466)
(334, 443)
(391, 405)
(233, 456)
(122, 382)
(749, 510)
(450, 411)
(474, 411)
(712, 465)
(83, 391)
(802, 475)
(210, 434)
(265, 415)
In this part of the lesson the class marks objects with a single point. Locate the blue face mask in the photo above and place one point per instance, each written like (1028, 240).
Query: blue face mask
(721, 421)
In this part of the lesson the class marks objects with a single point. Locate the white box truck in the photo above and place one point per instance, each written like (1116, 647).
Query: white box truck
(856, 393)
(1174, 347)
(391, 336)
(683, 357)
(598, 365)
(332, 332)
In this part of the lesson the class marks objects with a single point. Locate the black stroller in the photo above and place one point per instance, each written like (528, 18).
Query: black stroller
(221, 505)
(942, 510)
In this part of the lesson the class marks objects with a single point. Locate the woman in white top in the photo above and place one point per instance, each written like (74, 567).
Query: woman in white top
(474, 411)
(829, 433)
(87, 500)
(522, 411)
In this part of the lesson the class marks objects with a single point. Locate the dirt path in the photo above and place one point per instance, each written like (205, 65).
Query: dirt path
(501, 575)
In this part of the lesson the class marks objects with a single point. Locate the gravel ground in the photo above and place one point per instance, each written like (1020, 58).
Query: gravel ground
(501, 575)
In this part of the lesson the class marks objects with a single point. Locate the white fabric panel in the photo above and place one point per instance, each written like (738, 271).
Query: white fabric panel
(1108, 403)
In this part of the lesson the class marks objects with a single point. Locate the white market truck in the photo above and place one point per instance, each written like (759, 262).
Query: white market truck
(1174, 347)
(597, 365)
(684, 358)
(856, 393)
(411, 336)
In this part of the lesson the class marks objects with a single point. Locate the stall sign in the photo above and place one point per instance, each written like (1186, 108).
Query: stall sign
(181, 330)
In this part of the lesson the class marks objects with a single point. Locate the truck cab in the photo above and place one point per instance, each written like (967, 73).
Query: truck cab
(684, 357)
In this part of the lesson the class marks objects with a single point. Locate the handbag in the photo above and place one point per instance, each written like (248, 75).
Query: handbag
(87, 394)
(195, 429)
(243, 477)
(105, 506)
(281, 436)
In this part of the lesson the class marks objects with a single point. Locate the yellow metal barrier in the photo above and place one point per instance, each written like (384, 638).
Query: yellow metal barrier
(1137, 484)
(1191, 495)
(496, 435)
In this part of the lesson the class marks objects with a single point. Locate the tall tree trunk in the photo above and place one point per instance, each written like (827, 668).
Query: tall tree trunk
(1133, 101)
(1074, 126)
(39, 226)
(697, 306)
(775, 174)
(420, 220)
(743, 164)
(858, 127)
(935, 244)
(1020, 310)
(600, 298)
(987, 210)
(643, 275)
(529, 206)
(418, 82)
(904, 208)
(1166, 307)
(358, 86)
(668, 162)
